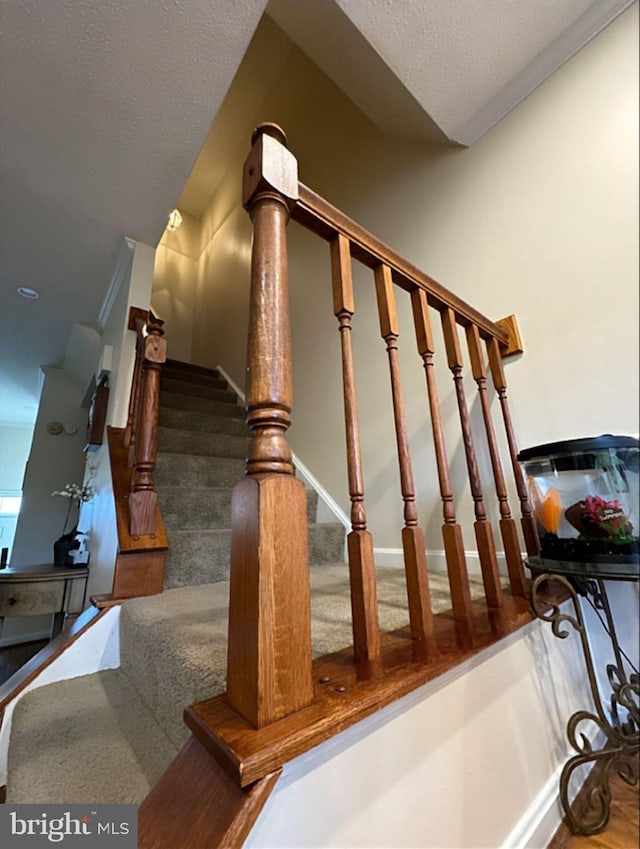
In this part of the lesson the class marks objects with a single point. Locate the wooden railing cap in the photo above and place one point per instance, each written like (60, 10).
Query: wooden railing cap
(268, 128)
(270, 168)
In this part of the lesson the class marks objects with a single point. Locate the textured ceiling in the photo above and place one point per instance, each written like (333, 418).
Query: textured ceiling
(104, 107)
(453, 67)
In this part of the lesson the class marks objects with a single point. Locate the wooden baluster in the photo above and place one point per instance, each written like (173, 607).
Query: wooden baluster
(508, 529)
(364, 604)
(484, 534)
(142, 498)
(451, 531)
(530, 532)
(269, 650)
(413, 545)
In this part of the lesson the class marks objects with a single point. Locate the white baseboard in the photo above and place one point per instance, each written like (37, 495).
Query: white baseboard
(542, 818)
(328, 509)
(436, 560)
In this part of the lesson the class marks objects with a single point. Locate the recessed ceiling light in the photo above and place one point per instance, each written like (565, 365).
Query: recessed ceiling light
(30, 294)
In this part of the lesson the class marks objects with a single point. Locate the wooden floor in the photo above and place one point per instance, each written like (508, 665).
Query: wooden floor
(13, 657)
(623, 829)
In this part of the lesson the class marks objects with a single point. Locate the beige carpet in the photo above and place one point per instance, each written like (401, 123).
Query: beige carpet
(107, 737)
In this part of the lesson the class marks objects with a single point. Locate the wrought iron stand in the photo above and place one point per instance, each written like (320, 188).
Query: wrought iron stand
(620, 721)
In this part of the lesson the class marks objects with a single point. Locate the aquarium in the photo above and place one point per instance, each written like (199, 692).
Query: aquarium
(584, 495)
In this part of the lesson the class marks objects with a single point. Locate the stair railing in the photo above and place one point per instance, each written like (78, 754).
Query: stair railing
(269, 656)
(140, 434)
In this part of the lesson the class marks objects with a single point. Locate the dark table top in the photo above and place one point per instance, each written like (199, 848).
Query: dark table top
(606, 571)
(41, 572)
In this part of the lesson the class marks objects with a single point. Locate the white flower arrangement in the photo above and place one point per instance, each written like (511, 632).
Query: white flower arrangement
(77, 495)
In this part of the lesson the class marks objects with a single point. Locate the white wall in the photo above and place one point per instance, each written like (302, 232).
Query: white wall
(15, 442)
(468, 761)
(99, 515)
(134, 291)
(539, 218)
(53, 462)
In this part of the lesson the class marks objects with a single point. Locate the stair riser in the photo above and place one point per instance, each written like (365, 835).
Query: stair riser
(191, 471)
(176, 401)
(201, 443)
(179, 387)
(190, 420)
(187, 509)
(201, 557)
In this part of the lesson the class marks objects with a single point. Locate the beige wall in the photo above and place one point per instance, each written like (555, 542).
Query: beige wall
(539, 218)
(174, 285)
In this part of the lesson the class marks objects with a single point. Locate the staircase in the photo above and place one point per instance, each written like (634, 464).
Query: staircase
(108, 737)
(202, 443)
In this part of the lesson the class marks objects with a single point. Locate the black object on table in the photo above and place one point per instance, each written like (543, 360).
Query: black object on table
(620, 720)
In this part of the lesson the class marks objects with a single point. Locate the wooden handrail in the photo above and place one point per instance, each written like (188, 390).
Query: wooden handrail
(140, 435)
(325, 220)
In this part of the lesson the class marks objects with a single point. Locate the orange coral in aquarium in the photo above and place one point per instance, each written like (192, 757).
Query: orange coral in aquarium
(546, 508)
(551, 512)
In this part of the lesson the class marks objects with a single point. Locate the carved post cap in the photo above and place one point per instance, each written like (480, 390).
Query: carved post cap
(268, 128)
(270, 168)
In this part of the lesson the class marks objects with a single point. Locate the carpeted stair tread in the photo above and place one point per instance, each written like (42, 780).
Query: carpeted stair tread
(187, 508)
(201, 405)
(97, 739)
(182, 387)
(169, 417)
(177, 441)
(202, 556)
(175, 643)
(190, 368)
(85, 740)
(213, 381)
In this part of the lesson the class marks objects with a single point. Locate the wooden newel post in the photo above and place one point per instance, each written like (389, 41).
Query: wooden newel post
(269, 653)
(142, 498)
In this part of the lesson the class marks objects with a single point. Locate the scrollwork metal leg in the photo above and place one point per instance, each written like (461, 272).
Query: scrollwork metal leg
(618, 755)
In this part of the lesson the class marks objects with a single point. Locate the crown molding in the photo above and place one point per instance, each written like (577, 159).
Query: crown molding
(587, 26)
(122, 267)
